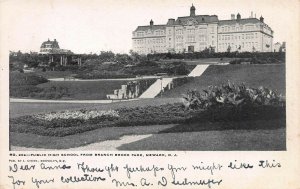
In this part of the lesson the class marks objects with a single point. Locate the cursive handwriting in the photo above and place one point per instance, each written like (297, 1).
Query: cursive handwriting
(49, 167)
(122, 183)
(15, 167)
(39, 182)
(85, 177)
(235, 165)
(207, 182)
(137, 175)
(141, 168)
(86, 168)
(163, 181)
(16, 182)
(210, 168)
(175, 169)
(267, 164)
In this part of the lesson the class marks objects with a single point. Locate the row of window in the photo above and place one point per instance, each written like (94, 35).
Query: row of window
(238, 36)
(237, 46)
(156, 32)
(247, 27)
(149, 41)
(191, 31)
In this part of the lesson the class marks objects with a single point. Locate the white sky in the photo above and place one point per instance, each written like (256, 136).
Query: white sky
(92, 26)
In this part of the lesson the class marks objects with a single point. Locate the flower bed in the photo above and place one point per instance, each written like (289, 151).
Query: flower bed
(227, 103)
(72, 122)
(80, 114)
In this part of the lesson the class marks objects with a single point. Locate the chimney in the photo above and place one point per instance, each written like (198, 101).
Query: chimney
(232, 16)
(238, 16)
(251, 14)
(261, 19)
(151, 22)
(171, 21)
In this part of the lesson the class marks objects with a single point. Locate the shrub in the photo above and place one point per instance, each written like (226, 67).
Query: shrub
(236, 61)
(230, 95)
(24, 91)
(19, 79)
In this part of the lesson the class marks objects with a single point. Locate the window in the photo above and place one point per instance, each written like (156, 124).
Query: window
(190, 31)
(191, 38)
(179, 31)
(140, 34)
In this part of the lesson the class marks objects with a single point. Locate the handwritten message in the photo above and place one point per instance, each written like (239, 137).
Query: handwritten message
(22, 173)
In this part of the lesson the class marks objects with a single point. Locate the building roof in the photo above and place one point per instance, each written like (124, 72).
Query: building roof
(240, 21)
(54, 44)
(198, 18)
(153, 27)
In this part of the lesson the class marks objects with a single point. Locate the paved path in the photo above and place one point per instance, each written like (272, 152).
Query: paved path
(67, 101)
(105, 145)
(116, 79)
(162, 83)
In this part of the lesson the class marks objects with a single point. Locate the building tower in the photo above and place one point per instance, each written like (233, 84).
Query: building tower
(192, 11)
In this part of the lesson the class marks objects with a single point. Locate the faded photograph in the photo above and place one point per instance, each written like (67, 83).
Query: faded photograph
(135, 76)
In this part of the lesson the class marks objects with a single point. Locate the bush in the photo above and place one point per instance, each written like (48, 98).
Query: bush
(20, 79)
(24, 91)
(231, 95)
(236, 61)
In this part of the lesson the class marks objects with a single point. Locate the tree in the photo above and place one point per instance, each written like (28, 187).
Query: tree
(228, 49)
(106, 56)
(134, 56)
(122, 58)
(52, 65)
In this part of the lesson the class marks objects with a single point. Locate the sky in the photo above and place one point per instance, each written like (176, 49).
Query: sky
(85, 26)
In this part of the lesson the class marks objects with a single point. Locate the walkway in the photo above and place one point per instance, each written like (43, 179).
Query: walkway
(116, 79)
(162, 83)
(67, 101)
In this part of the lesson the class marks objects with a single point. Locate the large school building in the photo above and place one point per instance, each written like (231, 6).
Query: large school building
(195, 33)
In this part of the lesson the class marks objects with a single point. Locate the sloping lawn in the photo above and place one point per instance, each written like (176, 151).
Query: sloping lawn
(21, 109)
(270, 76)
(86, 90)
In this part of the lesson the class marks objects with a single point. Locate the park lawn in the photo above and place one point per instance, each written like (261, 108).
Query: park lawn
(54, 74)
(213, 140)
(80, 139)
(270, 76)
(248, 135)
(22, 108)
(86, 90)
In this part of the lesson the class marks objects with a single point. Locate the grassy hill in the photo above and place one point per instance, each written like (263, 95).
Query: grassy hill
(271, 76)
(86, 90)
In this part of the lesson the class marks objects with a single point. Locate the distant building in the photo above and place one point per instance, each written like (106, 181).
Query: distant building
(49, 47)
(198, 32)
(277, 47)
(283, 46)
